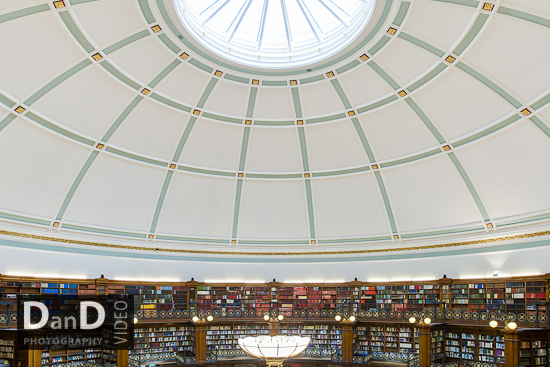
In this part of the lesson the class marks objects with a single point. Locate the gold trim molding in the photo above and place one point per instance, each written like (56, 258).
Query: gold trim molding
(397, 249)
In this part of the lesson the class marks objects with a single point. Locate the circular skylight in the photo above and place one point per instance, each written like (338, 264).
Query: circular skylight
(275, 33)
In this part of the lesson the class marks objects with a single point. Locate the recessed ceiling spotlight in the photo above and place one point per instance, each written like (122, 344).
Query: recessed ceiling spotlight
(495, 274)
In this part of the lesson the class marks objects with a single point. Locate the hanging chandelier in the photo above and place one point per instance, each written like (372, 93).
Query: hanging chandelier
(274, 349)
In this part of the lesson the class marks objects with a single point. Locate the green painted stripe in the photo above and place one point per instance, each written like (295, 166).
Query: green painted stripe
(541, 102)
(20, 218)
(472, 33)
(160, 201)
(488, 131)
(168, 42)
(244, 148)
(200, 65)
(6, 121)
(273, 123)
(167, 70)
(189, 239)
(525, 16)
(386, 199)
(501, 92)
(135, 157)
(347, 67)
(146, 10)
(76, 184)
(356, 240)
(239, 259)
(426, 120)
(24, 12)
(470, 185)
(375, 105)
(117, 74)
(402, 13)
(54, 83)
(523, 220)
(125, 42)
(541, 125)
(312, 79)
(75, 31)
(103, 231)
(338, 116)
(310, 209)
(297, 104)
(121, 118)
(236, 78)
(170, 103)
(221, 118)
(384, 75)
(378, 46)
(76, 2)
(341, 172)
(472, 3)
(363, 138)
(448, 231)
(6, 101)
(255, 242)
(274, 175)
(184, 137)
(59, 130)
(425, 79)
(206, 171)
(303, 148)
(274, 83)
(237, 208)
(425, 45)
(411, 159)
(207, 91)
(251, 102)
(341, 93)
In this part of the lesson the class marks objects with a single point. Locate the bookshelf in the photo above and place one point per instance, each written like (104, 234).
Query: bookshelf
(158, 339)
(534, 350)
(390, 338)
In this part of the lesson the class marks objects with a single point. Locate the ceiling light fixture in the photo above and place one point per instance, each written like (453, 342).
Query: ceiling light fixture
(274, 349)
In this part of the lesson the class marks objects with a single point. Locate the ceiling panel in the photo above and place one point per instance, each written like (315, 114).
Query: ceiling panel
(274, 150)
(7, 6)
(538, 7)
(364, 85)
(229, 99)
(274, 103)
(320, 99)
(186, 84)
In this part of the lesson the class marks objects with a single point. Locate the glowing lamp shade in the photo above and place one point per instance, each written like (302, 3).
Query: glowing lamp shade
(210, 318)
(493, 324)
(274, 349)
(136, 320)
(280, 317)
(412, 320)
(352, 318)
(338, 317)
(266, 317)
(427, 321)
(195, 318)
(512, 325)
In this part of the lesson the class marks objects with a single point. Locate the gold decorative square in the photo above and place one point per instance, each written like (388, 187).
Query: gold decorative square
(97, 56)
(330, 74)
(525, 112)
(392, 30)
(300, 122)
(156, 28)
(145, 91)
(20, 109)
(364, 57)
(151, 236)
(313, 242)
(402, 93)
(100, 146)
(184, 56)
(196, 112)
(446, 148)
(450, 59)
(374, 166)
(172, 165)
(488, 6)
(395, 236)
(248, 122)
(255, 82)
(56, 224)
(351, 113)
(293, 82)
(490, 226)
(240, 174)
(306, 175)
(218, 73)
(59, 4)
(233, 242)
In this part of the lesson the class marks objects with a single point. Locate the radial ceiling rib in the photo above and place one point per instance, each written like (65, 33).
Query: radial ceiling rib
(220, 7)
(301, 5)
(287, 25)
(239, 18)
(333, 12)
(262, 24)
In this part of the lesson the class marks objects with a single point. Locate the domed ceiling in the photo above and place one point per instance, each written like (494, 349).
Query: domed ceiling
(117, 127)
